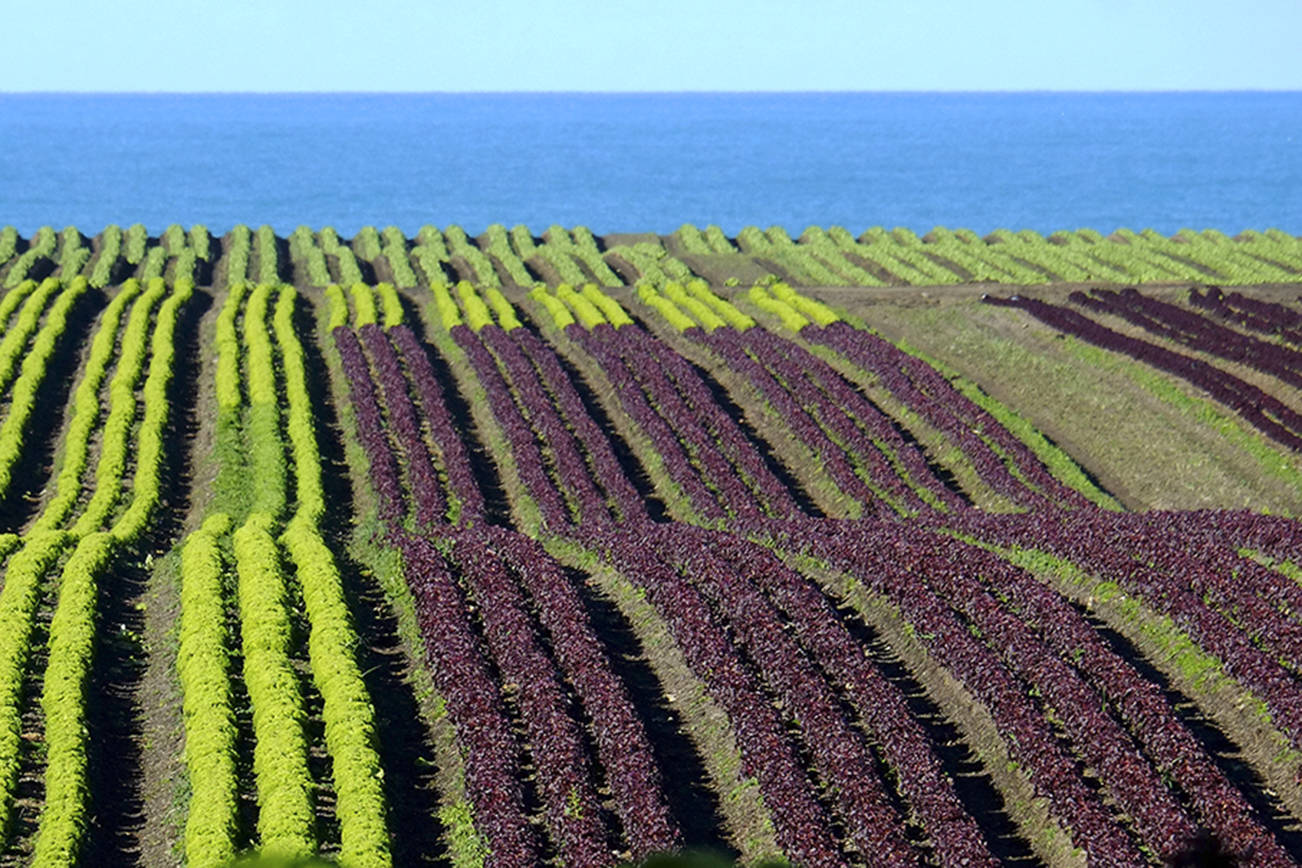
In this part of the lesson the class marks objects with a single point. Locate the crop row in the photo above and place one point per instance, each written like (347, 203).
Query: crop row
(1195, 331)
(1264, 411)
(766, 641)
(72, 631)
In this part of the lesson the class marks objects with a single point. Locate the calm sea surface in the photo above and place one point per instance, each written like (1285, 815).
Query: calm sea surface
(652, 162)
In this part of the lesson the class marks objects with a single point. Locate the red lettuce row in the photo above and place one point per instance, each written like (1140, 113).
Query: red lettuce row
(493, 771)
(606, 468)
(432, 406)
(675, 456)
(1260, 316)
(528, 456)
(891, 565)
(923, 389)
(424, 487)
(836, 393)
(803, 828)
(1171, 747)
(954, 835)
(370, 427)
(571, 472)
(569, 800)
(1105, 548)
(840, 757)
(622, 745)
(1195, 331)
(1267, 413)
(818, 403)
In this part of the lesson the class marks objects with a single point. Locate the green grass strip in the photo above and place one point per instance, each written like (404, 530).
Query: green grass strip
(1060, 465)
(1273, 460)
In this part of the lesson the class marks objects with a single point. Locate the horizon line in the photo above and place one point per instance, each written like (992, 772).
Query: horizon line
(681, 92)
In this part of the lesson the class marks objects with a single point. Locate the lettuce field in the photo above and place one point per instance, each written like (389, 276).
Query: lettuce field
(520, 550)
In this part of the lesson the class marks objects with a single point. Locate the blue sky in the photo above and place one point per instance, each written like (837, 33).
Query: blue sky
(634, 45)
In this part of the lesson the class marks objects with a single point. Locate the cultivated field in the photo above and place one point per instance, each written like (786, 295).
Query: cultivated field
(567, 550)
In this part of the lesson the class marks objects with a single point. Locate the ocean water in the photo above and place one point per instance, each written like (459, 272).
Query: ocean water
(650, 162)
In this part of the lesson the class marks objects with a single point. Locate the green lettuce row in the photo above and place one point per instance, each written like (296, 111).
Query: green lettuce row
(346, 706)
(150, 447)
(390, 305)
(116, 441)
(808, 307)
(502, 309)
(449, 312)
(477, 313)
(64, 818)
(86, 412)
(694, 307)
(228, 349)
(201, 242)
(587, 312)
(555, 308)
(155, 264)
(173, 239)
(110, 250)
(349, 272)
(431, 238)
(302, 245)
(365, 312)
(42, 248)
(203, 664)
(395, 251)
(237, 260)
(610, 309)
(8, 244)
(300, 422)
(676, 318)
(692, 240)
(499, 246)
(268, 267)
(338, 307)
(789, 316)
(137, 238)
(367, 243)
(347, 709)
(13, 346)
(726, 309)
(11, 300)
(585, 248)
(821, 245)
(18, 601)
(905, 261)
(73, 253)
(22, 400)
(460, 245)
(980, 264)
(1229, 262)
(266, 456)
(286, 820)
